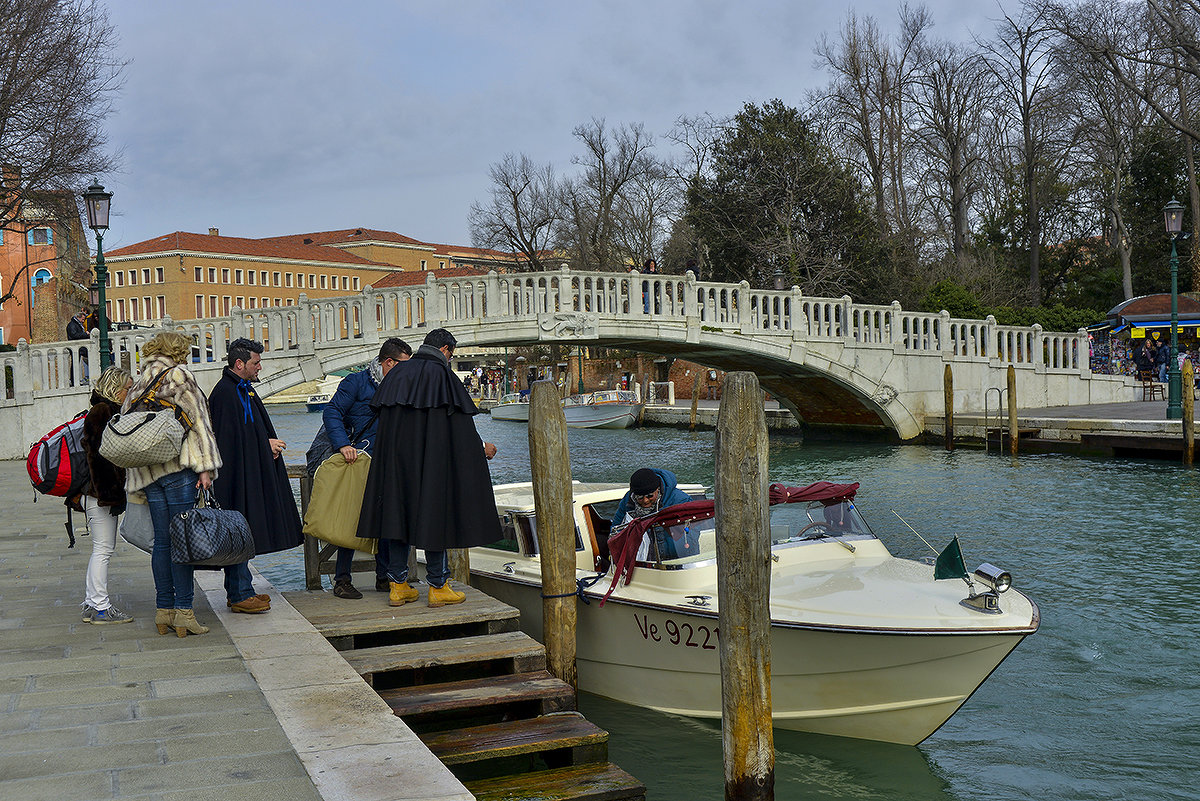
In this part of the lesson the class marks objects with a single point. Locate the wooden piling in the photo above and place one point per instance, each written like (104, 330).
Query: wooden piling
(695, 400)
(743, 590)
(1012, 410)
(459, 562)
(550, 464)
(1189, 411)
(948, 381)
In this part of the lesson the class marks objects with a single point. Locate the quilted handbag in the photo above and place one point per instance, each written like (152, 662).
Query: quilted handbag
(151, 432)
(209, 536)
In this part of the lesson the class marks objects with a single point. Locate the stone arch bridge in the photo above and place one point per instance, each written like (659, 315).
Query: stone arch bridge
(831, 361)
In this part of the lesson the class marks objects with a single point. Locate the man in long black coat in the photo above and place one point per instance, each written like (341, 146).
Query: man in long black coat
(253, 478)
(429, 485)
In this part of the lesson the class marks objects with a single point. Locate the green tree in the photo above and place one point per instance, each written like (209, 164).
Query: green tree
(776, 200)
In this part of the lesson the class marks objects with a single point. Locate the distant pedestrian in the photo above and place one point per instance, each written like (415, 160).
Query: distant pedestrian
(170, 488)
(254, 480)
(105, 497)
(428, 446)
(352, 426)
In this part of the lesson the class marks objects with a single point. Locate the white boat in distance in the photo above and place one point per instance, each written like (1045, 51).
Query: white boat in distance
(316, 402)
(607, 408)
(513, 407)
(863, 644)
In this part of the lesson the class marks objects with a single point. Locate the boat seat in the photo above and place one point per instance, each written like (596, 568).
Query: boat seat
(600, 529)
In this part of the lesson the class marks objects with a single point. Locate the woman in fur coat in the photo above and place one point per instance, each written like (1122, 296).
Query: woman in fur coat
(170, 488)
(104, 499)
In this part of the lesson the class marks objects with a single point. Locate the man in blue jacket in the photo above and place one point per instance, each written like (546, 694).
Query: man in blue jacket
(652, 490)
(351, 424)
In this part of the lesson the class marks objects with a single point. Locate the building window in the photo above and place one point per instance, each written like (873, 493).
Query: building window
(132, 277)
(253, 303)
(251, 275)
(355, 280)
(162, 306)
(158, 274)
(262, 278)
(199, 276)
(312, 281)
(441, 265)
(225, 305)
(240, 302)
(41, 236)
(275, 279)
(149, 309)
(323, 284)
(299, 280)
(145, 275)
(278, 301)
(121, 310)
(212, 305)
(287, 279)
(345, 283)
(40, 277)
(237, 276)
(225, 275)
(134, 309)
(265, 304)
(212, 275)
(120, 277)
(424, 265)
(291, 302)
(199, 305)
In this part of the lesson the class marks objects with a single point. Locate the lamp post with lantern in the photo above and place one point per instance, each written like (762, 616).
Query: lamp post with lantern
(98, 203)
(1173, 220)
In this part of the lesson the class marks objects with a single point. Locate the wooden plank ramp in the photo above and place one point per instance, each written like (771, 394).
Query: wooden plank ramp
(476, 691)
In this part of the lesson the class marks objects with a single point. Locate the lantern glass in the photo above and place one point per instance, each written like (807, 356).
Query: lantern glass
(1173, 217)
(97, 202)
(94, 294)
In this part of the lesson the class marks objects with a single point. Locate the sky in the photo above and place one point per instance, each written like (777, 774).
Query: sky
(265, 118)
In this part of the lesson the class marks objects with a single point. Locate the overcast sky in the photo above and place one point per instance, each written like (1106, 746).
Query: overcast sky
(267, 118)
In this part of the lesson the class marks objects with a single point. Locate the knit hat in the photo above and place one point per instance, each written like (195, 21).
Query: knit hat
(644, 482)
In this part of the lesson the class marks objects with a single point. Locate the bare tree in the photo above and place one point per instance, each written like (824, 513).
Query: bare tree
(644, 211)
(612, 159)
(522, 212)
(58, 75)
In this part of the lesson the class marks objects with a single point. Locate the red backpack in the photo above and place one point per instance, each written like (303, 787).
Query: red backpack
(58, 466)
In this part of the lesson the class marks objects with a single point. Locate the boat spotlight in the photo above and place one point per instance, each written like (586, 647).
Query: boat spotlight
(999, 580)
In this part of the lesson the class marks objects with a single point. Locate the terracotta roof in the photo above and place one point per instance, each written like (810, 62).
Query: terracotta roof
(414, 277)
(348, 236)
(478, 253)
(238, 246)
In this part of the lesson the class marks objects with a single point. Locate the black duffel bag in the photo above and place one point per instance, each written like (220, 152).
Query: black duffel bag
(209, 536)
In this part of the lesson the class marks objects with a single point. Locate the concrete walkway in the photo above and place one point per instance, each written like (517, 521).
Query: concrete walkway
(260, 708)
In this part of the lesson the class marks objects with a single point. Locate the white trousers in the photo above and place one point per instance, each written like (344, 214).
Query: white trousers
(102, 524)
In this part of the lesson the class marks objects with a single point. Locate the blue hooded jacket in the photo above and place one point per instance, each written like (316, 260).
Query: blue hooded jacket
(671, 496)
(349, 411)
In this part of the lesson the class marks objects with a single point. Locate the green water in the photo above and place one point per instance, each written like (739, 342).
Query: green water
(1101, 703)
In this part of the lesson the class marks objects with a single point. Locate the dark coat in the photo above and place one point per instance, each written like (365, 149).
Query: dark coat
(429, 484)
(349, 413)
(251, 479)
(108, 480)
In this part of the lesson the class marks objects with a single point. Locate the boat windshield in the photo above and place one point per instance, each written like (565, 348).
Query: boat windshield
(796, 522)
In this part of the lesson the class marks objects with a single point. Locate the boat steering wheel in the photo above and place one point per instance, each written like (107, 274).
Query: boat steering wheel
(819, 535)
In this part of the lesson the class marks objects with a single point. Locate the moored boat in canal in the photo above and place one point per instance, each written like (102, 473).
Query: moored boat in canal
(608, 408)
(864, 644)
(513, 407)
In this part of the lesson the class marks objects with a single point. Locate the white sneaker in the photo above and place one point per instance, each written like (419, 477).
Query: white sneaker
(110, 615)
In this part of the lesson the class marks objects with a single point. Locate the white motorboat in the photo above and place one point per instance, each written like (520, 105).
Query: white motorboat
(513, 407)
(325, 389)
(609, 408)
(863, 644)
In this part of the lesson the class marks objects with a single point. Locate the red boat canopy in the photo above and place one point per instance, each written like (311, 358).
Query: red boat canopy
(624, 544)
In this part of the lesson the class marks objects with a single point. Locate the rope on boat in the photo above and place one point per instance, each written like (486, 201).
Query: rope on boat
(580, 585)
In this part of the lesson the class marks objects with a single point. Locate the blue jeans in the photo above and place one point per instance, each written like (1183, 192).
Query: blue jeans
(166, 498)
(345, 558)
(437, 569)
(238, 585)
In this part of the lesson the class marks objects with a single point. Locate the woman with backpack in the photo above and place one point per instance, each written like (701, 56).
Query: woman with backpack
(104, 499)
(170, 487)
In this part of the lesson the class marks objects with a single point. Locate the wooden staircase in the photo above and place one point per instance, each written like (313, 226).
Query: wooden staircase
(477, 693)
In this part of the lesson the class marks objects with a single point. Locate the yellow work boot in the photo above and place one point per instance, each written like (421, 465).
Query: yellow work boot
(444, 596)
(400, 593)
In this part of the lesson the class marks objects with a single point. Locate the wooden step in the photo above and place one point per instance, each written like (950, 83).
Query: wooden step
(524, 654)
(596, 782)
(552, 694)
(556, 732)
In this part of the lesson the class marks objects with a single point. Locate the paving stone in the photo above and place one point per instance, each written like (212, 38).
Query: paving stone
(174, 688)
(44, 740)
(170, 726)
(218, 650)
(78, 760)
(170, 706)
(207, 667)
(203, 773)
(83, 696)
(52, 681)
(290, 789)
(249, 744)
(61, 787)
(66, 716)
(60, 664)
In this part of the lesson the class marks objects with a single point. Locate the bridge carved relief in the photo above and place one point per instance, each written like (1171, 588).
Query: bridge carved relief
(830, 360)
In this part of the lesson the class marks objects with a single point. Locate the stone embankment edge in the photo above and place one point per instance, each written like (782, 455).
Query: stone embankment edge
(349, 741)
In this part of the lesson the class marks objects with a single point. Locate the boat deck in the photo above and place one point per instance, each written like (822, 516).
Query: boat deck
(476, 691)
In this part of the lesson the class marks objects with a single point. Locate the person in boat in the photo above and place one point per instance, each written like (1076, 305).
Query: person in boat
(429, 486)
(651, 490)
(351, 425)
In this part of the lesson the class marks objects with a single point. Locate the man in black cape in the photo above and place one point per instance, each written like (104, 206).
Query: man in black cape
(429, 485)
(253, 478)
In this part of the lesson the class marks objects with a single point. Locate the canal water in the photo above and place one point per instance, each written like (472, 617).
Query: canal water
(1101, 703)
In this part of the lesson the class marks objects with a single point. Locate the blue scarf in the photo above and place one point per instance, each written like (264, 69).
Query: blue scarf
(245, 392)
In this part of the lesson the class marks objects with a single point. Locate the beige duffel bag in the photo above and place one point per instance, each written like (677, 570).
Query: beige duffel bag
(336, 501)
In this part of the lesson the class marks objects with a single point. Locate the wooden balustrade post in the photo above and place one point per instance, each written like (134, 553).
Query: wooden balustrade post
(743, 590)
(550, 463)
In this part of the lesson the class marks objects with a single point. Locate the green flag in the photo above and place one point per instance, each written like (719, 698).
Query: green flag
(950, 563)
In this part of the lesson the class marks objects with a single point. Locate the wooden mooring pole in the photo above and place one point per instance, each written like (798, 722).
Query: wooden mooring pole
(1012, 410)
(743, 590)
(1189, 412)
(550, 463)
(695, 400)
(948, 381)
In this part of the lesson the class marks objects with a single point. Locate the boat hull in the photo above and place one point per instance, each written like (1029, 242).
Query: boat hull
(615, 415)
(513, 412)
(890, 686)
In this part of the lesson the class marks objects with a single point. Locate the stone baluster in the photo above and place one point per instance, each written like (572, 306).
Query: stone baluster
(945, 340)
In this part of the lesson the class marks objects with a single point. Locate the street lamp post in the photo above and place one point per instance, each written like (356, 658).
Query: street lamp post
(98, 202)
(1173, 220)
(581, 390)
